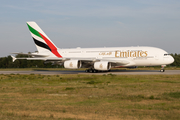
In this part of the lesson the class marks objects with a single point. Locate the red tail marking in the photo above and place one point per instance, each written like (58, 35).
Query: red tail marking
(52, 47)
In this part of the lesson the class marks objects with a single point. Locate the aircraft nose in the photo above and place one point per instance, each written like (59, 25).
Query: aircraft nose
(171, 59)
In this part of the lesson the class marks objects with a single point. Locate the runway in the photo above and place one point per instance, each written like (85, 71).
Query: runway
(117, 72)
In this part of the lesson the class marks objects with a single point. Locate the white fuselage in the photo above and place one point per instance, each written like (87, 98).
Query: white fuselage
(136, 56)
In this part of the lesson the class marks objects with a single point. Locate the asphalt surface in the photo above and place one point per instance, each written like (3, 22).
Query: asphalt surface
(117, 72)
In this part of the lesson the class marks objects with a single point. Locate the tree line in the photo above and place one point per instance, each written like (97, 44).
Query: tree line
(176, 60)
(6, 62)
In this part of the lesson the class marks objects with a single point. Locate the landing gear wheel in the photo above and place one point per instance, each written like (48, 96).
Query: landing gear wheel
(162, 70)
(91, 71)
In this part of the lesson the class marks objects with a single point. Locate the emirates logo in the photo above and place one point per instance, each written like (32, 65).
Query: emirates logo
(101, 66)
(71, 65)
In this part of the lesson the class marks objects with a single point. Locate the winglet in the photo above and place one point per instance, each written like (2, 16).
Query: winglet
(13, 58)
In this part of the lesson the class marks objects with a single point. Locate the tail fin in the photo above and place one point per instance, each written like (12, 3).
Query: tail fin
(43, 43)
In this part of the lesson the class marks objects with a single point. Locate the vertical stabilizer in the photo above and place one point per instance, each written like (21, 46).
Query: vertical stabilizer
(43, 43)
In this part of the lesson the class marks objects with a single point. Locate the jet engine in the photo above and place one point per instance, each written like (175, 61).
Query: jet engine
(72, 64)
(103, 65)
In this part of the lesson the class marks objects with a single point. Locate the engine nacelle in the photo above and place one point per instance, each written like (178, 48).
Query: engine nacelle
(103, 65)
(72, 64)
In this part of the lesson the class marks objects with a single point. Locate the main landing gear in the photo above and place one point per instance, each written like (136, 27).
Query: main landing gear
(162, 68)
(91, 70)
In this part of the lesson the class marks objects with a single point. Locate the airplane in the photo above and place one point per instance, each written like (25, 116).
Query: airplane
(94, 59)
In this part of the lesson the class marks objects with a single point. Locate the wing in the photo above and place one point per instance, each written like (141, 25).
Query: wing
(39, 58)
(86, 61)
(113, 61)
(31, 54)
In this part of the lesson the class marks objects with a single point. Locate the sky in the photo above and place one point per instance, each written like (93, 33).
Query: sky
(91, 23)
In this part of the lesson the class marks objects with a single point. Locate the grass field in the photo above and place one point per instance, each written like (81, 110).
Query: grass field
(84, 97)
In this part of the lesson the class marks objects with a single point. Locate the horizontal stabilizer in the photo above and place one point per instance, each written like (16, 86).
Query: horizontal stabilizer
(13, 58)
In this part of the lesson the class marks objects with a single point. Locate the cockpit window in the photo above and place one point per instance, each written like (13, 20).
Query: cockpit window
(166, 54)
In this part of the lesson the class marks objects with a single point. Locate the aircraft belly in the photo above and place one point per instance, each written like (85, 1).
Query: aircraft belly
(143, 61)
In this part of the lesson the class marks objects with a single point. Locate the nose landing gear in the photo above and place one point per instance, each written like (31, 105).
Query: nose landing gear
(162, 68)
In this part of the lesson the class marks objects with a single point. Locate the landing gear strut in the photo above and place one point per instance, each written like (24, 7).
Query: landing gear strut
(162, 68)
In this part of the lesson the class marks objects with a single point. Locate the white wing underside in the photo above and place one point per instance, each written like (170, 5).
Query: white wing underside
(115, 61)
(31, 54)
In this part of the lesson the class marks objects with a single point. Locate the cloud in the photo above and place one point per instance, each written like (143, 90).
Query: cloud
(120, 23)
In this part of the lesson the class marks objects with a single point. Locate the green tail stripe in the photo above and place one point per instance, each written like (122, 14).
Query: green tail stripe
(35, 32)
